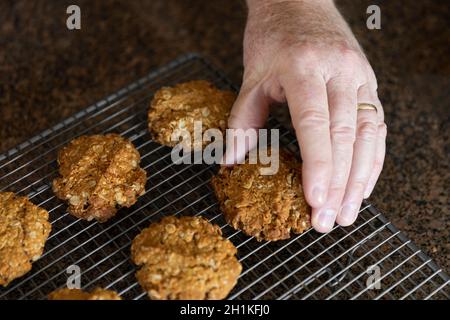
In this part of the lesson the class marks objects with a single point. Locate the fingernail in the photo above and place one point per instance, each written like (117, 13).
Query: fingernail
(319, 195)
(348, 214)
(326, 219)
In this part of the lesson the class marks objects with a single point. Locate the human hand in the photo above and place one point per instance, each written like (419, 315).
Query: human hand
(303, 53)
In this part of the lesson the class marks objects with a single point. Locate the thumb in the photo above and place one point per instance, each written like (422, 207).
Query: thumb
(249, 113)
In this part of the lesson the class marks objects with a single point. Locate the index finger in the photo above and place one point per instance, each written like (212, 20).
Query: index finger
(308, 106)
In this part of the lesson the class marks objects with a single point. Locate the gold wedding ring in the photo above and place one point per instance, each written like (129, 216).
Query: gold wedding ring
(366, 106)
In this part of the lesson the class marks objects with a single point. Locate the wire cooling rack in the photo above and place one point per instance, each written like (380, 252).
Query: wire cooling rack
(339, 265)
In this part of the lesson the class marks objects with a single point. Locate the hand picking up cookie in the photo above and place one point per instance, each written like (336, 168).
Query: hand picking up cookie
(185, 258)
(24, 229)
(175, 109)
(267, 207)
(77, 294)
(99, 175)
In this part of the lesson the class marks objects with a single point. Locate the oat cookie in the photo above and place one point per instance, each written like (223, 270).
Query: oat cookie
(77, 294)
(185, 258)
(174, 109)
(99, 175)
(268, 207)
(24, 228)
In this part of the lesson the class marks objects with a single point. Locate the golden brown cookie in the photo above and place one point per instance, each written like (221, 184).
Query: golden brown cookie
(24, 229)
(185, 258)
(77, 294)
(99, 175)
(268, 207)
(174, 109)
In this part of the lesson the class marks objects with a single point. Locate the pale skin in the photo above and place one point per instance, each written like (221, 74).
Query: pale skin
(302, 52)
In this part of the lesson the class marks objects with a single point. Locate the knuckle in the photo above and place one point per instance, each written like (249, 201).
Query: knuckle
(367, 131)
(312, 118)
(302, 54)
(319, 165)
(339, 85)
(360, 184)
(351, 62)
(343, 133)
(382, 130)
(350, 56)
(338, 184)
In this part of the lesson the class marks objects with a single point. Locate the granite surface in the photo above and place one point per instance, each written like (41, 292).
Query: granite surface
(48, 72)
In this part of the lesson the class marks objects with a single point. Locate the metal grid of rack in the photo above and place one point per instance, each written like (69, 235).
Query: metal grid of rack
(337, 265)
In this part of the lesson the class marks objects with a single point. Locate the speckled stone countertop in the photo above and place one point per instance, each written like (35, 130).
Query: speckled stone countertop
(47, 73)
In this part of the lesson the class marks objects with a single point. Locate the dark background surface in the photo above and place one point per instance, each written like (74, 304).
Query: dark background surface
(48, 72)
